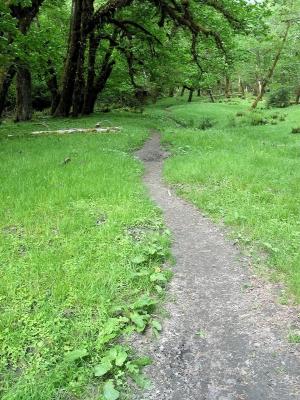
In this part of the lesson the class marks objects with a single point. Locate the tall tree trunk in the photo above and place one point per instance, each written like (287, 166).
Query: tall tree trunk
(182, 91)
(190, 95)
(24, 97)
(53, 87)
(199, 92)
(227, 87)
(241, 88)
(212, 99)
(95, 86)
(5, 84)
(24, 16)
(88, 103)
(70, 68)
(171, 92)
(100, 84)
(78, 95)
(270, 73)
(297, 100)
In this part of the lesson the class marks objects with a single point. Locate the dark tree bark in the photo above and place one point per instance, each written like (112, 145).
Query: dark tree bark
(5, 84)
(227, 87)
(182, 91)
(191, 92)
(53, 87)
(92, 93)
(98, 88)
(24, 17)
(171, 92)
(70, 69)
(199, 92)
(24, 98)
(241, 88)
(212, 99)
(297, 100)
(78, 95)
(88, 103)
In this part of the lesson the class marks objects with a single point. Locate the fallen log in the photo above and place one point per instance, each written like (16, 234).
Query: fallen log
(78, 130)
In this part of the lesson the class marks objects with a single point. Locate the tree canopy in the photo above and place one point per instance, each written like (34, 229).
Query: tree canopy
(67, 54)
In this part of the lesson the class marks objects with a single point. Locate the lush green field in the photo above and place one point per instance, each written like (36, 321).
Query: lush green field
(80, 249)
(81, 245)
(243, 174)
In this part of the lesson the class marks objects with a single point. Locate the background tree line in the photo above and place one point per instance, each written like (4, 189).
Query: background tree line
(64, 55)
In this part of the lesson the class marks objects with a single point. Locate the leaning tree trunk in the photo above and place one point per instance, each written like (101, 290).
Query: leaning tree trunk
(100, 84)
(269, 76)
(182, 91)
(70, 69)
(24, 96)
(5, 84)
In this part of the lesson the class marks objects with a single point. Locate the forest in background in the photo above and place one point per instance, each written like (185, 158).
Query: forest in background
(64, 56)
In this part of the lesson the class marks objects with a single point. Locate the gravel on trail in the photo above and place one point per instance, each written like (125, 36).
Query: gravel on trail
(225, 337)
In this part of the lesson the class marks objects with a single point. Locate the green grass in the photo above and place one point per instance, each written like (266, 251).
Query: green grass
(243, 175)
(70, 235)
(81, 244)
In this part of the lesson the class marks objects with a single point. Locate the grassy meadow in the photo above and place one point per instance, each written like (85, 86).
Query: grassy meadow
(81, 247)
(81, 244)
(243, 171)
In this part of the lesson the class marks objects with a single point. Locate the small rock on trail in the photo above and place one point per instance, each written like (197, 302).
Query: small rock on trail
(222, 341)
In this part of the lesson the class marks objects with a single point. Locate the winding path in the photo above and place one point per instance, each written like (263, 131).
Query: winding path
(225, 338)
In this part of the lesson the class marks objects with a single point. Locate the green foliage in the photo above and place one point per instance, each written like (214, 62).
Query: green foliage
(280, 98)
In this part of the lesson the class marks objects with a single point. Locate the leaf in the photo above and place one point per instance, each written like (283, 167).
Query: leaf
(158, 277)
(76, 355)
(138, 320)
(143, 302)
(141, 381)
(141, 259)
(156, 325)
(121, 357)
(143, 361)
(103, 368)
(109, 391)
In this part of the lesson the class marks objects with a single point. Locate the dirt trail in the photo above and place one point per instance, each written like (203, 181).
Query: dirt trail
(225, 338)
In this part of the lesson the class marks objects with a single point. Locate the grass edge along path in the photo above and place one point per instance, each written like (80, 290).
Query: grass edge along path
(81, 253)
(242, 171)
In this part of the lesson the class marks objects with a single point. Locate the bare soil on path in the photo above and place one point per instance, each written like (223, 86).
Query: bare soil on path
(226, 336)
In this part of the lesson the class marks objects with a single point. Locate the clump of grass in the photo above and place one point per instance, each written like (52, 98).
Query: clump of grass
(294, 337)
(296, 130)
(206, 123)
(256, 119)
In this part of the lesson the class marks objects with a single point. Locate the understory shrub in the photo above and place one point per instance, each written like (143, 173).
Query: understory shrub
(280, 98)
